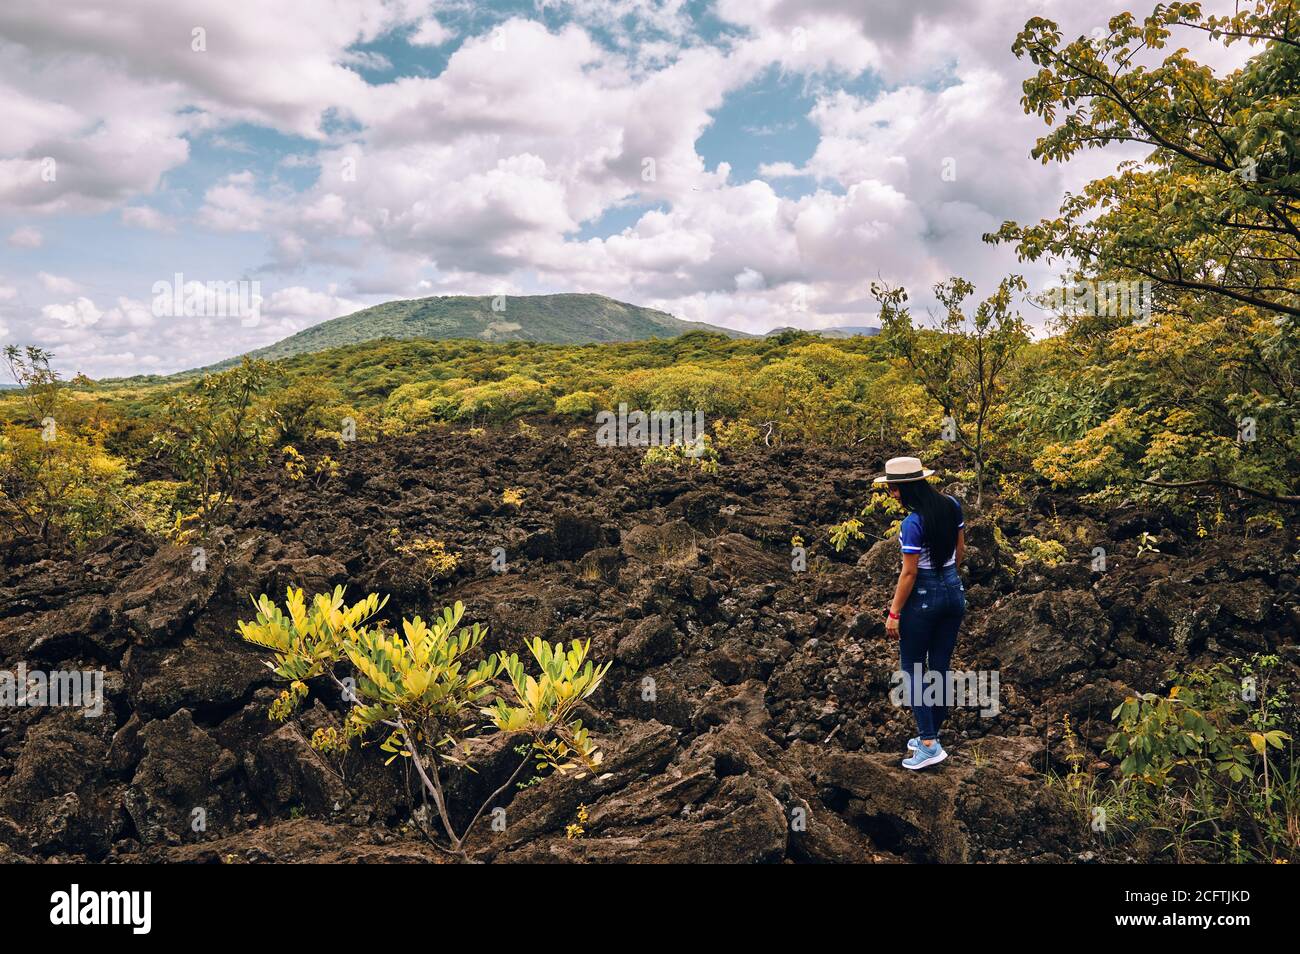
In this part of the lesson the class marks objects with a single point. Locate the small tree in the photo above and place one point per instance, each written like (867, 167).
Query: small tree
(419, 690)
(216, 429)
(39, 383)
(57, 483)
(963, 362)
(301, 409)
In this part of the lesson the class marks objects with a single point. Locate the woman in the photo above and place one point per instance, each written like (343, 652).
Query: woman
(929, 600)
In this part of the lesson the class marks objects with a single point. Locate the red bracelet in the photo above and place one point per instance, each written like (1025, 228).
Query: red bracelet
(892, 614)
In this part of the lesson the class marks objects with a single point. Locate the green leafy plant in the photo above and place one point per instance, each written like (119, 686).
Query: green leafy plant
(1147, 544)
(58, 483)
(217, 429)
(699, 454)
(1031, 550)
(964, 363)
(418, 689)
(842, 534)
(1195, 757)
(436, 561)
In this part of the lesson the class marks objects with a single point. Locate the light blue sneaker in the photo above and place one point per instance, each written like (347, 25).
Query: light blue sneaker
(924, 756)
(914, 743)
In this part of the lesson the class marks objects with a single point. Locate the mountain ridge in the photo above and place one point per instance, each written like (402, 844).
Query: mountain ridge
(571, 318)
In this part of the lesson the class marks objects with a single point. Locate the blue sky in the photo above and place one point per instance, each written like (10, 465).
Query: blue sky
(751, 163)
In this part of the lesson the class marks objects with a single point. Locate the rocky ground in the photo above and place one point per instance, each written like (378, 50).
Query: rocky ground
(746, 717)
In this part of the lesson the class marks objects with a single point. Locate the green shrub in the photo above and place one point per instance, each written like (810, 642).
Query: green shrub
(1207, 765)
(503, 400)
(699, 454)
(216, 429)
(58, 484)
(418, 689)
(1031, 550)
(303, 408)
(579, 403)
(842, 534)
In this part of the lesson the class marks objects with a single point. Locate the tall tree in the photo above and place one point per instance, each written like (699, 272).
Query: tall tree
(1213, 208)
(1202, 393)
(962, 362)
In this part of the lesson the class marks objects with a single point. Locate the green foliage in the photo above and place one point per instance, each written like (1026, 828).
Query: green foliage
(58, 483)
(1146, 544)
(962, 364)
(834, 390)
(304, 409)
(65, 489)
(162, 507)
(1208, 219)
(820, 391)
(502, 400)
(319, 472)
(543, 707)
(432, 556)
(419, 689)
(842, 534)
(685, 387)
(883, 503)
(735, 434)
(1211, 209)
(216, 429)
(1192, 759)
(1031, 550)
(699, 454)
(578, 404)
(37, 381)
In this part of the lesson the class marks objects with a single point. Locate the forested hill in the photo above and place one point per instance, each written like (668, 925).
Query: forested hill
(554, 319)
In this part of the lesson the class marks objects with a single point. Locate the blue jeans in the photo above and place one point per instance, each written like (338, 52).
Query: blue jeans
(927, 632)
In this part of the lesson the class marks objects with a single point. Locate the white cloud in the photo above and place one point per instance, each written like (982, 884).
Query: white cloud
(303, 306)
(367, 60)
(233, 206)
(26, 237)
(56, 284)
(81, 313)
(431, 33)
(144, 217)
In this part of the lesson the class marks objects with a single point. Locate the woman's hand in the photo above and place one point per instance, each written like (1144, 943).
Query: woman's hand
(891, 625)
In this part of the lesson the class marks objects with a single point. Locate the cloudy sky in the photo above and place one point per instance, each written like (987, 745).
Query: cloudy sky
(751, 163)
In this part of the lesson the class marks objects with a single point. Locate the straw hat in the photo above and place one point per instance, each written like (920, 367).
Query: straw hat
(902, 470)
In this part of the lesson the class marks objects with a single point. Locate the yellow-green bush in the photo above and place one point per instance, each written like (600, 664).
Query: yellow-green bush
(502, 400)
(699, 454)
(578, 403)
(419, 689)
(1032, 550)
(64, 488)
(436, 562)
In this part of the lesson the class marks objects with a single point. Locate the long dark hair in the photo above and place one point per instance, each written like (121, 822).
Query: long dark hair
(938, 518)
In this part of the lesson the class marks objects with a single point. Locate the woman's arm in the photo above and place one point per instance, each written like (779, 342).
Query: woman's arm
(906, 580)
(961, 546)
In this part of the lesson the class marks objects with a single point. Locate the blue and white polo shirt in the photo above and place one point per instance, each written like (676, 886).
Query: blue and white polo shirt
(911, 536)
